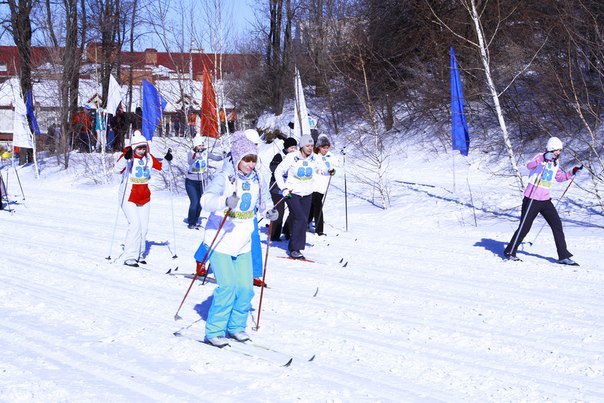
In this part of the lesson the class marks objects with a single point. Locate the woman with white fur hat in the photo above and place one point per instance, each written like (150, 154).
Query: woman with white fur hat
(135, 164)
(196, 177)
(239, 193)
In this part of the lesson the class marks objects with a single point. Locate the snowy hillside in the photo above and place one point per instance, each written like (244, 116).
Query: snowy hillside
(413, 303)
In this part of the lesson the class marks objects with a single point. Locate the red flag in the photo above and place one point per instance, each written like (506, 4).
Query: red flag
(209, 119)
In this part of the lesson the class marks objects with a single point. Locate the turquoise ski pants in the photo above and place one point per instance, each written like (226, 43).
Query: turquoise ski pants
(232, 299)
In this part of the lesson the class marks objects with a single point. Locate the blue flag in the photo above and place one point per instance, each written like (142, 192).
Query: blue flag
(29, 105)
(153, 108)
(459, 126)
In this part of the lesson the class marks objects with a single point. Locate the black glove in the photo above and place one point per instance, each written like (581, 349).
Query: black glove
(232, 201)
(332, 172)
(272, 215)
(577, 169)
(128, 154)
(548, 156)
(168, 156)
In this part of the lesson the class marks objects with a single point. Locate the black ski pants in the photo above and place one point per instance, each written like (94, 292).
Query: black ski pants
(278, 223)
(299, 208)
(316, 212)
(530, 209)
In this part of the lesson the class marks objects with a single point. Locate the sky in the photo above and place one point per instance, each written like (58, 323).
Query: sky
(413, 303)
(241, 12)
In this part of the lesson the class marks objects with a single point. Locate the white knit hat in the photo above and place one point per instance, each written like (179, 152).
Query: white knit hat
(138, 140)
(306, 140)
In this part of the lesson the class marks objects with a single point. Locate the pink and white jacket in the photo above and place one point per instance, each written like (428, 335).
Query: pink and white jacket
(541, 177)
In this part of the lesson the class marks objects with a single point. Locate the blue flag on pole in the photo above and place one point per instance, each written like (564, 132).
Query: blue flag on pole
(459, 126)
(153, 108)
(29, 106)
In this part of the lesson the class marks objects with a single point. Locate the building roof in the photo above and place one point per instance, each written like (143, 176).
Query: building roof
(149, 60)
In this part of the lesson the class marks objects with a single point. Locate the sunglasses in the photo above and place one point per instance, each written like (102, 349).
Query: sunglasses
(250, 158)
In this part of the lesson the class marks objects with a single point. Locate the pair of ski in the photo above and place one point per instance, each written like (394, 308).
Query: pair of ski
(512, 258)
(298, 259)
(252, 350)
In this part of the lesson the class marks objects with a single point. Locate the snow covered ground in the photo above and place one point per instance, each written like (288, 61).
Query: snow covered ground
(413, 303)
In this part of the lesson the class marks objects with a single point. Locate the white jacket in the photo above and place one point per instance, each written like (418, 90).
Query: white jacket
(300, 173)
(325, 163)
(235, 236)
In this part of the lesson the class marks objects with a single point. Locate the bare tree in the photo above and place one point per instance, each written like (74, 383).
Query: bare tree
(73, 13)
(580, 82)
(108, 21)
(482, 45)
(278, 51)
(19, 26)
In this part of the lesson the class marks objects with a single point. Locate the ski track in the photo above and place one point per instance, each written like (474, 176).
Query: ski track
(538, 306)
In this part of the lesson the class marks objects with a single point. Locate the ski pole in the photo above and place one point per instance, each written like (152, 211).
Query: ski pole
(345, 188)
(172, 184)
(268, 244)
(537, 182)
(117, 212)
(19, 180)
(556, 207)
(176, 316)
(274, 206)
(323, 201)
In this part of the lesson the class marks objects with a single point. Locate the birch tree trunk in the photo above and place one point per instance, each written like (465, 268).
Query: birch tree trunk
(484, 56)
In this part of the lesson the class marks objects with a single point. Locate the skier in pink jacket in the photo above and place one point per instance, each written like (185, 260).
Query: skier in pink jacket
(544, 169)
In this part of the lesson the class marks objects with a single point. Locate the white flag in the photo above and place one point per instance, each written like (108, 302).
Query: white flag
(22, 136)
(114, 96)
(301, 126)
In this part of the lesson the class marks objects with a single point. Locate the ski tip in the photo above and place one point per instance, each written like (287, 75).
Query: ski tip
(312, 358)
(345, 264)
(341, 260)
(169, 271)
(287, 364)
(316, 292)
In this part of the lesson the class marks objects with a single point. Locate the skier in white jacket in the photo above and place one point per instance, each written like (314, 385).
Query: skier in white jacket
(238, 193)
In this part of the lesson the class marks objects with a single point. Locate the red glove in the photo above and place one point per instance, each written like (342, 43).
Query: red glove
(577, 169)
(200, 269)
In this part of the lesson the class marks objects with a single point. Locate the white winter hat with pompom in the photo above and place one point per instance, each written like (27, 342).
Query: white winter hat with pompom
(138, 140)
